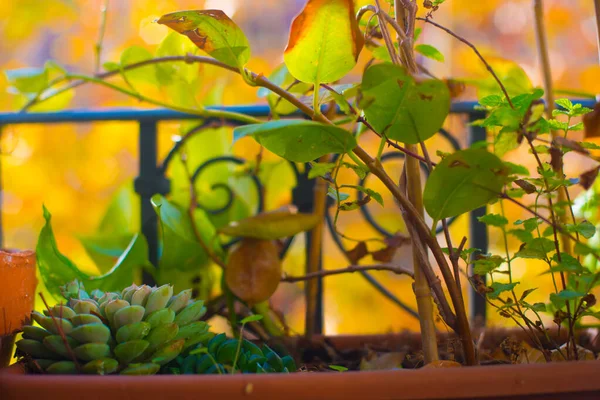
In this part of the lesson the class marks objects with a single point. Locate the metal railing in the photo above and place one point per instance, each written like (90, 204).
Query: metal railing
(152, 179)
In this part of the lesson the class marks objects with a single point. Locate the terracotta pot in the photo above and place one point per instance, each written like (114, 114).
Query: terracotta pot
(17, 296)
(568, 380)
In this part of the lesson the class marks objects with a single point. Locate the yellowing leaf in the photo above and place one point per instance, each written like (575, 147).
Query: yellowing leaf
(212, 31)
(272, 225)
(324, 42)
(253, 270)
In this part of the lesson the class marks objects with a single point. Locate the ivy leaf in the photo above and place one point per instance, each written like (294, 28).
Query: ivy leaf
(320, 169)
(212, 31)
(298, 140)
(493, 220)
(181, 250)
(271, 225)
(463, 181)
(403, 109)
(56, 269)
(315, 52)
(429, 52)
(499, 288)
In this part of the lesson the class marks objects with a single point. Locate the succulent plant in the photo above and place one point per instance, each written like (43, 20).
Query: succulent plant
(134, 332)
(221, 355)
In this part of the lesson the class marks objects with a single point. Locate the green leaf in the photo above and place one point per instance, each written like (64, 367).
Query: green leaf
(557, 125)
(271, 225)
(493, 100)
(567, 263)
(487, 264)
(212, 31)
(429, 52)
(517, 169)
(369, 192)
(463, 181)
(320, 169)
(298, 140)
(522, 234)
(338, 368)
(181, 250)
(315, 52)
(585, 229)
(28, 80)
(282, 77)
(527, 293)
(56, 269)
(499, 288)
(361, 171)
(251, 318)
(331, 192)
(589, 145)
(134, 55)
(175, 44)
(560, 299)
(403, 109)
(493, 220)
(565, 103)
(537, 248)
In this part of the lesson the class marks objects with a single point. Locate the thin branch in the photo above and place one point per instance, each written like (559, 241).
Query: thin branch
(472, 46)
(191, 209)
(98, 46)
(352, 268)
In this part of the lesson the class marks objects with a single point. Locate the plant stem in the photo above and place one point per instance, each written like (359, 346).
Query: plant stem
(549, 94)
(98, 46)
(314, 257)
(597, 12)
(415, 195)
(352, 268)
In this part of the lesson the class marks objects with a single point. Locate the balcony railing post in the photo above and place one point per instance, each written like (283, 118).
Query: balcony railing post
(1, 197)
(150, 181)
(303, 198)
(478, 231)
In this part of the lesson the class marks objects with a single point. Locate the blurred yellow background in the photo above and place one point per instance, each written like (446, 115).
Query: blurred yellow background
(76, 169)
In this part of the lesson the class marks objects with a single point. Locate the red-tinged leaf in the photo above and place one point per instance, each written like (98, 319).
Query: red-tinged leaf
(587, 178)
(556, 159)
(357, 253)
(526, 186)
(591, 122)
(324, 41)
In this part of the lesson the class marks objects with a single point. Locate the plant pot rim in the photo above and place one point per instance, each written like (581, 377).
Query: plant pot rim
(16, 253)
(567, 379)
